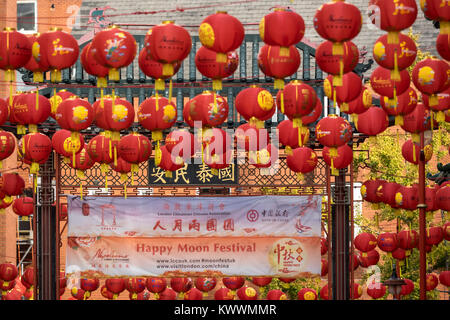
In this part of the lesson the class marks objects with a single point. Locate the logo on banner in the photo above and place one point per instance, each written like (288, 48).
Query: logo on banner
(286, 256)
(252, 215)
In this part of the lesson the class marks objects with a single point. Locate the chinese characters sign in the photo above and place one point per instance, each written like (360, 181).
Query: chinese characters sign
(200, 236)
(193, 174)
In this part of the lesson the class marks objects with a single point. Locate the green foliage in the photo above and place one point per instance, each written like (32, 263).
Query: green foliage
(291, 289)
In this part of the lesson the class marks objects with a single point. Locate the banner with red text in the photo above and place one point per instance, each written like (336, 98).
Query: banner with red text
(194, 236)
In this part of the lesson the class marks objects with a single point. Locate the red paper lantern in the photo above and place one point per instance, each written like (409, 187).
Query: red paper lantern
(430, 199)
(338, 64)
(169, 44)
(233, 283)
(36, 65)
(144, 295)
(4, 111)
(8, 273)
(396, 56)
(30, 109)
(411, 152)
(342, 160)
(168, 162)
(390, 16)
(115, 285)
(405, 104)
(157, 114)
(63, 145)
(417, 121)
(180, 143)
(296, 100)
(446, 229)
(224, 294)
(82, 162)
(193, 294)
(443, 46)
(154, 69)
(437, 10)
(349, 90)
(282, 27)
(376, 290)
(23, 207)
(444, 278)
(371, 258)
(27, 278)
(135, 286)
(59, 97)
(11, 184)
(292, 137)
(221, 33)
(261, 281)
(314, 115)
(134, 148)
(372, 122)
(208, 107)
(255, 105)
(6, 286)
(434, 236)
(407, 240)
(78, 293)
(381, 83)
(7, 145)
(106, 293)
(114, 48)
(247, 293)
(88, 285)
(57, 49)
(338, 22)
(369, 191)
(98, 150)
(207, 64)
(388, 192)
(431, 76)
(276, 63)
(432, 281)
(287, 280)
(276, 294)
(219, 161)
(387, 242)
(324, 292)
(113, 115)
(181, 285)
(250, 138)
(442, 106)
(323, 246)
(443, 197)
(359, 105)
(36, 148)
(156, 286)
(205, 285)
(92, 66)
(215, 141)
(355, 262)
(407, 198)
(400, 255)
(407, 288)
(302, 160)
(365, 242)
(324, 267)
(307, 294)
(168, 294)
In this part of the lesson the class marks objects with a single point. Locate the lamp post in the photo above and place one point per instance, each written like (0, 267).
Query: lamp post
(394, 283)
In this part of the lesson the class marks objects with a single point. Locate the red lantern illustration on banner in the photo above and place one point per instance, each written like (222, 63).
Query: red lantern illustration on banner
(224, 294)
(205, 285)
(342, 160)
(443, 46)
(93, 67)
(154, 69)
(36, 65)
(156, 286)
(114, 48)
(395, 57)
(255, 105)
(247, 293)
(134, 148)
(390, 16)
(157, 114)
(209, 108)
(221, 33)
(15, 52)
(444, 278)
(434, 236)
(338, 30)
(387, 242)
(144, 295)
(74, 114)
(307, 294)
(407, 240)
(372, 257)
(333, 132)
(282, 27)
(432, 76)
(407, 197)
(167, 162)
(376, 290)
(372, 122)
(57, 49)
(24, 207)
(181, 285)
(89, 285)
(59, 97)
(36, 148)
(233, 283)
(437, 10)
(115, 285)
(289, 136)
(207, 64)
(432, 281)
(381, 83)
(7, 145)
(193, 294)
(406, 103)
(417, 121)
(30, 109)
(135, 286)
(276, 294)
(411, 152)
(407, 288)
(169, 44)
(302, 160)
(63, 145)
(273, 63)
(337, 64)
(365, 242)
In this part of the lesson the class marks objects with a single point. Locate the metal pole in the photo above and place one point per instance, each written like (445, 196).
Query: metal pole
(57, 226)
(329, 236)
(422, 221)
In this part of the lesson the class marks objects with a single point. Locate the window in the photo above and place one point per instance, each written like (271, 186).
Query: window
(26, 16)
